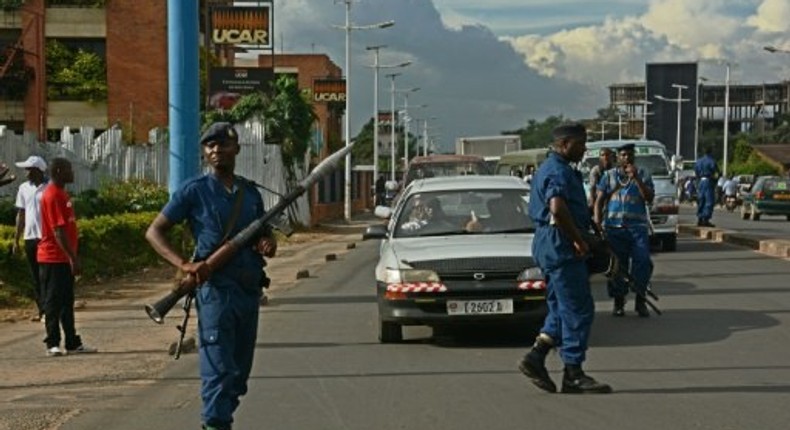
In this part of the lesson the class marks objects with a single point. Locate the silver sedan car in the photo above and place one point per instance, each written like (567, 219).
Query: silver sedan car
(457, 250)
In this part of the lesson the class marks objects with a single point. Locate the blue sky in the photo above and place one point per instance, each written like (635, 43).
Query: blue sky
(486, 66)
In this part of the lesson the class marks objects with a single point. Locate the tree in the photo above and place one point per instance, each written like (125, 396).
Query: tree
(73, 75)
(537, 134)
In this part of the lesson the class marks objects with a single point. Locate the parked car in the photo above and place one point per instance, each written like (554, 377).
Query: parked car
(437, 165)
(457, 250)
(770, 195)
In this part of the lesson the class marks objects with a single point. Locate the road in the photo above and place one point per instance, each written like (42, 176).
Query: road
(717, 359)
(769, 225)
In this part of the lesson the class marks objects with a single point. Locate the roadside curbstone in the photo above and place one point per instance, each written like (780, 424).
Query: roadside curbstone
(770, 246)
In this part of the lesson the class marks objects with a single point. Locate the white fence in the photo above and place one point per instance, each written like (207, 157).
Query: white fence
(107, 158)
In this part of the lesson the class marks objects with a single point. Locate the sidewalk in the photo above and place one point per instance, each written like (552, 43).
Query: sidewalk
(42, 392)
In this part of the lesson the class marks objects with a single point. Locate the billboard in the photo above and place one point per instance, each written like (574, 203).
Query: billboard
(228, 84)
(328, 90)
(662, 89)
(248, 26)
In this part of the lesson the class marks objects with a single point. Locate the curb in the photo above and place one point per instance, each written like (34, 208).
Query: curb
(774, 247)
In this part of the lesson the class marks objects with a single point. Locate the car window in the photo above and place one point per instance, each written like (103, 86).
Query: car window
(776, 185)
(450, 212)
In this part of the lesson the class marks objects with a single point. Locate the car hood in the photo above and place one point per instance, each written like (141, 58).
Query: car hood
(461, 246)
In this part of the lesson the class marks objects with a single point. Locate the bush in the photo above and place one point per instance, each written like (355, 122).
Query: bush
(8, 211)
(120, 197)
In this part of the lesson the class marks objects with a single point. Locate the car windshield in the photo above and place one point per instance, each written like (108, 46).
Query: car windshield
(442, 213)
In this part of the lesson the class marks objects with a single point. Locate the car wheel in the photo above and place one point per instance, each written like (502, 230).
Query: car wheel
(755, 216)
(669, 243)
(390, 332)
(788, 217)
(744, 214)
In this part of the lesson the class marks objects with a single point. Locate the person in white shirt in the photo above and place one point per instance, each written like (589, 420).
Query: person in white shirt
(730, 188)
(28, 219)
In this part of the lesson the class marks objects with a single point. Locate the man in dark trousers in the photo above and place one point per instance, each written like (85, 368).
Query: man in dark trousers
(559, 209)
(381, 190)
(28, 220)
(216, 207)
(58, 261)
(706, 171)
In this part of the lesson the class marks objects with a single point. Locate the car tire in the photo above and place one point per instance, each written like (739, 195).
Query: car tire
(390, 332)
(788, 217)
(744, 213)
(669, 243)
(754, 216)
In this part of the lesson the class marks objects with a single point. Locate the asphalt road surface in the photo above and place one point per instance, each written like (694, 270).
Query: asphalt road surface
(719, 358)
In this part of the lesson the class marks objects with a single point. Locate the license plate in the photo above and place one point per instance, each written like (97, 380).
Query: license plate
(479, 307)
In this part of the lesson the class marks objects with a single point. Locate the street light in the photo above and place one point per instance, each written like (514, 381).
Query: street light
(728, 65)
(406, 123)
(392, 77)
(407, 120)
(678, 100)
(425, 135)
(347, 123)
(376, 66)
(645, 113)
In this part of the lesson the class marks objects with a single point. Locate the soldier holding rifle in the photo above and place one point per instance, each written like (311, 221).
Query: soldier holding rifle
(216, 206)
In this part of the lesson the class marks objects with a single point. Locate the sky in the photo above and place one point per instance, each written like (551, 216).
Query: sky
(487, 66)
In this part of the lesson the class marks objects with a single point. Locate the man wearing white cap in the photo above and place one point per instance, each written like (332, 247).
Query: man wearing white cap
(28, 219)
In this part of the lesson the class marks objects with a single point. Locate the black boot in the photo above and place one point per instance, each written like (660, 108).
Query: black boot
(640, 306)
(533, 365)
(619, 306)
(575, 381)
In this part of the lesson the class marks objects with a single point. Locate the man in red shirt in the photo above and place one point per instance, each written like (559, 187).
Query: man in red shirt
(58, 261)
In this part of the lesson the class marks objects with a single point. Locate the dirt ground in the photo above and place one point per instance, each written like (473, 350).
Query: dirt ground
(133, 351)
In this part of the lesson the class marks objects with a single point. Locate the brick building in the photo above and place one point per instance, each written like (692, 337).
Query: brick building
(130, 38)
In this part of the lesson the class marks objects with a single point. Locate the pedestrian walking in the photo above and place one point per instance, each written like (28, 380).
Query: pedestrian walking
(606, 161)
(559, 209)
(621, 210)
(28, 221)
(217, 206)
(706, 171)
(58, 261)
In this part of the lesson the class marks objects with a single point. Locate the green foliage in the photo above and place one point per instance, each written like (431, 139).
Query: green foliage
(10, 5)
(109, 246)
(537, 134)
(73, 75)
(120, 197)
(13, 85)
(8, 211)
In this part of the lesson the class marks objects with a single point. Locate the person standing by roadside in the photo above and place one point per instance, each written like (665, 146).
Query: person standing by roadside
(58, 261)
(705, 170)
(28, 220)
(217, 206)
(380, 190)
(559, 209)
(605, 162)
(625, 191)
(720, 190)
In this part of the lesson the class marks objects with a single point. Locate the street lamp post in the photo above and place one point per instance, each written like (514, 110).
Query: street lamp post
(347, 117)
(678, 100)
(406, 124)
(645, 113)
(376, 66)
(392, 77)
(726, 118)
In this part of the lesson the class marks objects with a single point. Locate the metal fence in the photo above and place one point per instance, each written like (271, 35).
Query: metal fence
(106, 158)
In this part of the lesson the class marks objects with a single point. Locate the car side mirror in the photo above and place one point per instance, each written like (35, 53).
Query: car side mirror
(376, 231)
(382, 212)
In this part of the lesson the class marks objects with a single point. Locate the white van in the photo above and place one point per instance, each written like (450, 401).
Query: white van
(652, 156)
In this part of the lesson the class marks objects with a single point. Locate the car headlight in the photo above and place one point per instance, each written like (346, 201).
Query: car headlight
(402, 276)
(531, 274)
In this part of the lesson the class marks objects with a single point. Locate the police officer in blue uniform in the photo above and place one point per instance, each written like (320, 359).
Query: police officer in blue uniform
(626, 190)
(706, 170)
(559, 208)
(216, 206)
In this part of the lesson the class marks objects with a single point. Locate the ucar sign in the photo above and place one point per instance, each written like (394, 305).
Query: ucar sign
(328, 90)
(241, 25)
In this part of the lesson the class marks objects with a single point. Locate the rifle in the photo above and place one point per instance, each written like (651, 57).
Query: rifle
(182, 328)
(227, 250)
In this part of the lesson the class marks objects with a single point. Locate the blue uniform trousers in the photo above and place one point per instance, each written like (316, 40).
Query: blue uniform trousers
(631, 245)
(228, 328)
(705, 199)
(568, 297)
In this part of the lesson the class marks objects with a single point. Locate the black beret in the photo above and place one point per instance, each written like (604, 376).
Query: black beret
(568, 131)
(219, 132)
(626, 147)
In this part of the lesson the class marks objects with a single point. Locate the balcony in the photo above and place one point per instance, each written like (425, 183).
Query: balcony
(75, 114)
(73, 22)
(12, 110)
(10, 20)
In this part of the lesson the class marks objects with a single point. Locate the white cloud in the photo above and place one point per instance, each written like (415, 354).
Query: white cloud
(772, 16)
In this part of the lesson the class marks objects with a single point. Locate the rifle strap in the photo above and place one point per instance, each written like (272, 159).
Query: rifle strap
(234, 215)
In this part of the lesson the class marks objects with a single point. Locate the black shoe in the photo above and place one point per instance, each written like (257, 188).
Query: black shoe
(640, 306)
(533, 368)
(709, 224)
(700, 223)
(619, 307)
(577, 382)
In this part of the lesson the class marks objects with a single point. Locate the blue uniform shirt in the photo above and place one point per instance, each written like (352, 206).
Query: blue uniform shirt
(705, 167)
(556, 178)
(207, 205)
(625, 207)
